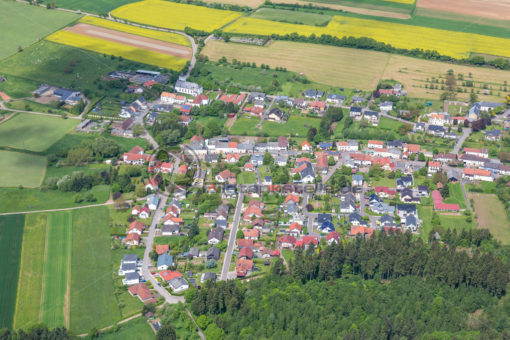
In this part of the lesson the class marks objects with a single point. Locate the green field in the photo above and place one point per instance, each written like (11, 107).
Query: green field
(30, 284)
(57, 269)
(21, 169)
(17, 200)
(11, 235)
(491, 215)
(93, 302)
(96, 6)
(246, 178)
(26, 24)
(447, 221)
(29, 105)
(137, 329)
(244, 126)
(34, 132)
(294, 17)
(456, 195)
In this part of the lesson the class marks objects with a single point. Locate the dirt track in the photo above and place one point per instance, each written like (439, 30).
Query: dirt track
(132, 40)
(492, 9)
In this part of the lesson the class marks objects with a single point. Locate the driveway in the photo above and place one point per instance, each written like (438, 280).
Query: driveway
(232, 238)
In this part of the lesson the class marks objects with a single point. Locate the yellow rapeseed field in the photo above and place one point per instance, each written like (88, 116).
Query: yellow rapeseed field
(144, 32)
(450, 43)
(116, 49)
(407, 2)
(175, 16)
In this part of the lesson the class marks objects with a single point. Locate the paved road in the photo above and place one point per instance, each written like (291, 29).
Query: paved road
(3, 107)
(341, 160)
(158, 214)
(395, 118)
(259, 179)
(465, 134)
(232, 237)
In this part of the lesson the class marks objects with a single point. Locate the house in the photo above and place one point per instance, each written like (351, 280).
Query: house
(236, 99)
(387, 221)
(313, 94)
(200, 100)
(361, 230)
(136, 227)
(404, 210)
(276, 115)
(215, 236)
(371, 116)
(295, 229)
(170, 230)
(249, 167)
(419, 127)
(244, 267)
(385, 192)
(348, 146)
(326, 145)
(241, 243)
(411, 223)
(355, 112)
(246, 253)
(477, 175)
(347, 204)
(493, 135)
(165, 260)
(208, 276)
(436, 130)
(357, 180)
(131, 279)
(406, 196)
(251, 234)
(483, 153)
(287, 241)
(434, 167)
(135, 210)
(439, 119)
(305, 146)
(326, 227)
(152, 202)
(332, 237)
(193, 252)
(179, 192)
(132, 239)
(144, 212)
(356, 100)
(355, 219)
(472, 161)
(477, 108)
(322, 163)
(168, 275)
(183, 86)
(281, 160)
(439, 205)
(171, 98)
(335, 99)
(404, 182)
(213, 253)
(375, 144)
(445, 158)
(451, 135)
(128, 264)
(283, 142)
(143, 292)
(162, 248)
(284, 100)
(225, 176)
(423, 191)
(386, 106)
(317, 106)
(178, 284)
(152, 184)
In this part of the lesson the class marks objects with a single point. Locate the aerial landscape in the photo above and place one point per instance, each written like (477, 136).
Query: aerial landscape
(255, 169)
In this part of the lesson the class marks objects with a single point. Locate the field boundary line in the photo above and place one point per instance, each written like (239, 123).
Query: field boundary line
(43, 283)
(16, 309)
(67, 296)
(55, 210)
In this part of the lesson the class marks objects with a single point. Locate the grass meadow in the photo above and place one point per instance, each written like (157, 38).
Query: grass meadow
(137, 329)
(92, 299)
(294, 17)
(71, 140)
(34, 132)
(96, 6)
(30, 284)
(57, 270)
(295, 126)
(491, 215)
(27, 24)
(11, 236)
(21, 169)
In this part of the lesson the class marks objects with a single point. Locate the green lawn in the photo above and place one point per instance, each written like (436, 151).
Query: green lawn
(26, 24)
(93, 302)
(30, 286)
(34, 132)
(29, 105)
(53, 171)
(295, 17)
(447, 221)
(456, 195)
(18, 87)
(21, 169)
(11, 235)
(71, 140)
(245, 125)
(137, 329)
(295, 126)
(246, 178)
(57, 269)
(14, 199)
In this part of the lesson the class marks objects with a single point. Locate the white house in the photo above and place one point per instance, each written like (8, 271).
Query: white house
(183, 86)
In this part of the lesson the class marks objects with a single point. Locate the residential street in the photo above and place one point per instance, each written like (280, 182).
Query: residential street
(465, 134)
(158, 214)
(232, 237)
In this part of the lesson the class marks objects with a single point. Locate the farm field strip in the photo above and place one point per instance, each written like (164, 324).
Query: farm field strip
(57, 269)
(348, 68)
(11, 235)
(491, 215)
(176, 16)
(33, 132)
(92, 298)
(493, 9)
(144, 32)
(21, 169)
(131, 40)
(28, 304)
(118, 50)
(450, 43)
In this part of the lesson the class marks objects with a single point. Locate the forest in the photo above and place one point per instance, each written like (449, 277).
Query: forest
(387, 287)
